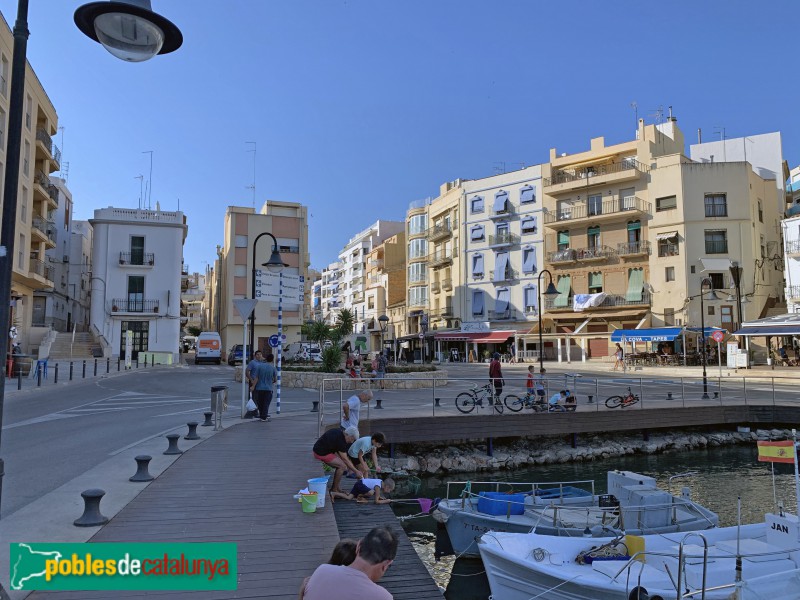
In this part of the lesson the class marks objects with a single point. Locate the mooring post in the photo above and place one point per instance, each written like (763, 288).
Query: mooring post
(142, 472)
(173, 438)
(108, 365)
(645, 435)
(192, 435)
(208, 422)
(573, 439)
(95, 367)
(91, 516)
(391, 450)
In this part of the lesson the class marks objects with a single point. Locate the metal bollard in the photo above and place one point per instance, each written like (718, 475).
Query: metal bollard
(192, 435)
(208, 422)
(91, 516)
(314, 406)
(137, 362)
(70, 370)
(39, 369)
(95, 367)
(119, 364)
(19, 379)
(436, 402)
(173, 444)
(84, 369)
(669, 395)
(145, 361)
(716, 394)
(108, 365)
(591, 399)
(142, 472)
(378, 403)
(55, 377)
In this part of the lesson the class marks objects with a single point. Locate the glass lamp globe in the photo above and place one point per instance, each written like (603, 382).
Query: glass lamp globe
(128, 37)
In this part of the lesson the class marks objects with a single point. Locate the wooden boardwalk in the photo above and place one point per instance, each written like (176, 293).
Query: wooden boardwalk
(407, 578)
(235, 487)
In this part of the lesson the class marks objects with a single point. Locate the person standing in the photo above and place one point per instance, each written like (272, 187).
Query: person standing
(249, 372)
(352, 408)
(380, 369)
(496, 376)
(265, 377)
(374, 556)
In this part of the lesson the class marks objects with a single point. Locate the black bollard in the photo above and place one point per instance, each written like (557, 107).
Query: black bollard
(716, 394)
(591, 399)
(91, 516)
(55, 377)
(574, 440)
(39, 369)
(108, 365)
(137, 362)
(192, 435)
(142, 472)
(669, 395)
(95, 367)
(84, 369)
(208, 422)
(19, 379)
(436, 402)
(315, 406)
(378, 403)
(119, 364)
(145, 361)
(173, 444)
(70, 370)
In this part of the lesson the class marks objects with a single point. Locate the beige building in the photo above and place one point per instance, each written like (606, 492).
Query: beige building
(37, 199)
(385, 286)
(233, 271)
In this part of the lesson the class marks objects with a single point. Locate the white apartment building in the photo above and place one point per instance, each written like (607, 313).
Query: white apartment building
(136, 281)
(791, 253)
(353, 259)
(330, 293)
(80, 270)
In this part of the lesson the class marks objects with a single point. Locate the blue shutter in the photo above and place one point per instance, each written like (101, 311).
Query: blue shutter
(477, 204)
(477, 302)
(527, 194)
(500, 199)
(529, 259)
(477, 265)
(476, 233)
(531, 298)
(501, 303)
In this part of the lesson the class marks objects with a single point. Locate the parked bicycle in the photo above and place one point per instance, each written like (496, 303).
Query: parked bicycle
(467, 401)
(622, 401)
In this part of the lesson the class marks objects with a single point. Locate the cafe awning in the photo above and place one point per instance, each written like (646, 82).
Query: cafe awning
(778, 325)
(479, 337)
(656, 334)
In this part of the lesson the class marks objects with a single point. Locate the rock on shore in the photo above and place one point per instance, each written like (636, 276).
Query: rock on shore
(429, 459)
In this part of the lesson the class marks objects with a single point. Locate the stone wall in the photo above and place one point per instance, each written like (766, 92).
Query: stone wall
(393, 381)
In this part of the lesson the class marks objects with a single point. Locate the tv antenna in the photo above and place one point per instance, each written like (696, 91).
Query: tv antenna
(635, 108)
(720, 130)
(500, 167)
(150, 181)
(658, 115)
(141, 189)
(252, 186)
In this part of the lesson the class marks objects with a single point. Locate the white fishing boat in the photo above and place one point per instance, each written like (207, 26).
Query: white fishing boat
(757, 561)
(633, 502)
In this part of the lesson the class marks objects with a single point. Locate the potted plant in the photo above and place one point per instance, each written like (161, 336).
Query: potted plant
(114, 308)
(155, 309)
(487, 356)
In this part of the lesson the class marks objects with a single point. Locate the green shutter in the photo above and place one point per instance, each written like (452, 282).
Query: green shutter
(563, 237)
(593, 230)
(635, 285)
(634, 226)
(564, 286)
(595, 280)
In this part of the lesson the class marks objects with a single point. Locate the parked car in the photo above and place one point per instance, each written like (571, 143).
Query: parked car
(308, 354)
(235, 355)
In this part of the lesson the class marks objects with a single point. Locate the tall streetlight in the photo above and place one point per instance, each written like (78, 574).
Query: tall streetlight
(551, 291)
(132, 19)
(705, 280)
(383, 322)
(275, 264)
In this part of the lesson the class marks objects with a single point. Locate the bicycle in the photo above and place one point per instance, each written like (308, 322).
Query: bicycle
(467, 401)
(515, 403)
(622, 402)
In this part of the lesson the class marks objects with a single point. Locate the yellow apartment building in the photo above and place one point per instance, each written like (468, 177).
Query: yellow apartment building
(233, 271)
(36, 197)
(385, 287)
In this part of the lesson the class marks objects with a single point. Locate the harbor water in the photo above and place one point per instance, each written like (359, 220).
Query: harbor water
(722, 475)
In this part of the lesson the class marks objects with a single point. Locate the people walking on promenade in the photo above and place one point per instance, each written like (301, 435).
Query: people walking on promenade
(331, 448)
(374, 556)
(380, 369)
(496, 376)
(265, 377)
(618, 358)
(352, 408)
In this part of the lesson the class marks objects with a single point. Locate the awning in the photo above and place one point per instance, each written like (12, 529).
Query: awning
(481, 337)
(657, 334)
(491, 337)
(666, 236)
(716, 264)
(788, 324)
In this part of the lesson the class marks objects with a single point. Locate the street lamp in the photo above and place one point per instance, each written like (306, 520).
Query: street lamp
(383, 322)
(275, 264)
(172, 41)
(550, 292)
(713, 296)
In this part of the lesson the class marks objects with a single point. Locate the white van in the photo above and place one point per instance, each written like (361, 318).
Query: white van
(209, 348)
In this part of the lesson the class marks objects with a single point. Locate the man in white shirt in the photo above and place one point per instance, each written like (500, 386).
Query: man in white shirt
(352, 408)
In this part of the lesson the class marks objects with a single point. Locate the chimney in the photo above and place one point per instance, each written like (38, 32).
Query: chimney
(699, 136)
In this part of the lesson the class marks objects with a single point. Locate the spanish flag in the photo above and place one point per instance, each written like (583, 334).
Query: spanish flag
(782, 452)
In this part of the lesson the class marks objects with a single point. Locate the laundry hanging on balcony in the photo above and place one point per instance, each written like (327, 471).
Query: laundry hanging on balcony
(580, 302)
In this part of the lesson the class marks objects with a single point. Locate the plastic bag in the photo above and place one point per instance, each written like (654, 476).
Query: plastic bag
(251, 406)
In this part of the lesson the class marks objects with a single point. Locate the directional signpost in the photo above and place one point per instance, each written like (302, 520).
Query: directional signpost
(244, 307)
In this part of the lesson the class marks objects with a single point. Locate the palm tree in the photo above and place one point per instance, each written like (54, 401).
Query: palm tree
(345, 322)
(316, 331)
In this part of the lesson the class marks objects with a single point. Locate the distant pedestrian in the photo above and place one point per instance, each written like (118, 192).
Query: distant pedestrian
(352, 408)
(496, 376)
(249, 372)
(344, 553)
(265, 377)
(380, 369)
(358, 581)
(331, 448)
(618, 358)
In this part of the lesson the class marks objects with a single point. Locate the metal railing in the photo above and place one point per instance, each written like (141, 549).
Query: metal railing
(716, 210)
(45, 226)
(629, 204)
(438, 232)
(504, 239)
(137, 258)
(572, 255)
(793, 246)
(447, 284)
(41, 178)
(716, 246)
(570, 175)
(40, 268)
(505, 315)
(610, 301)
(633, 248)
(508, 211)
(440, 258)
(435, 286)
(44, 137)
(134, 306)
(509, 275)
(793, 291)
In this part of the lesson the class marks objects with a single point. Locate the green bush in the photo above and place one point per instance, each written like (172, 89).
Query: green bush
(331, 358)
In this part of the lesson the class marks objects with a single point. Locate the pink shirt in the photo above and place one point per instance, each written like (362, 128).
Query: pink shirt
(332, 582)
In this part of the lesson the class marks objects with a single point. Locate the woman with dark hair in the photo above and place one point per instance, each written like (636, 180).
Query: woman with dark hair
(496, 376)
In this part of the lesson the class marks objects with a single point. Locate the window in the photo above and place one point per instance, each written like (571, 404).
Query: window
(711, 310)
(529, 259)
(418, 296)
(240, 241)
(501, 233)
(417, 224)
(563, 240)
(500, 202)
(135, 293)
(26, 159)
(501, 266)
(28, 111)
(476, 233)
(417, 273)
(666, 203)
(417, 249)
(668, 246)
(669, 316)
(501, 302)
(634, 232)
(717, 280)
(23, 207)
(595, 205)
(21, 253)
(4, 76)
(593, 237)
(716, 241)
(564, 286)
(627, 199)
(716, 205)
(477, 266)
(2, 128)
(528, 225)
(477, 303)
(760, 212)
(763, 248)
(595, 282)
(240, 271)
(137, 249)
(476, 204)
(527, 194)
(726, 317)
(530, 299)
(635, 285)
(669, 273)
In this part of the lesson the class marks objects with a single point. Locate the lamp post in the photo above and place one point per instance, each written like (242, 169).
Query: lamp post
(551, 291)
(703, 329)
(383, 322)
(275, 264)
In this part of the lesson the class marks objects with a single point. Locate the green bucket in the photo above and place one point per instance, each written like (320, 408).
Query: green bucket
(309, 502)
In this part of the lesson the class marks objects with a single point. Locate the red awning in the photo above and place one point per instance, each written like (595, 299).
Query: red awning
(494, 337)
(457, 336)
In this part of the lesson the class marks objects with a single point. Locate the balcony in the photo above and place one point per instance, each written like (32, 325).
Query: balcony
(562, 257)
(442, 313)
(376, 263)
(358, 297)
(716, 246)
(793, 247)
(418, 278)
(508, 315)
(435, 286)
(503, 239)
(439, 232)
(597, 212)
(633, 249)
(508, 211)
(611, 301)
(447, 284)
(668, 250)
(440, 259)
(40, 269)
(373, 281)
(44, 230)
(130, 305)
(509, 275)
(793, 292)
(137, 259)
(564, 180)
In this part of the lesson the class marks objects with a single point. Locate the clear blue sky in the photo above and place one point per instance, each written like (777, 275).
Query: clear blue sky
(359, 107)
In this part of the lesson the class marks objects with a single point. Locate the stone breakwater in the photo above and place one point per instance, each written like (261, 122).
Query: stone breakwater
(471, 458)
